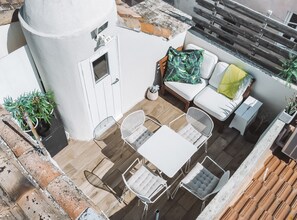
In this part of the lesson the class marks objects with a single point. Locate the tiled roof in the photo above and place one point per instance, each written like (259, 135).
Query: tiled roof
(272, 193)
(31, 184)
(9, 10)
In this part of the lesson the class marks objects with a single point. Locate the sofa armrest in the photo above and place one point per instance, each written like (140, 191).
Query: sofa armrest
(248, 89)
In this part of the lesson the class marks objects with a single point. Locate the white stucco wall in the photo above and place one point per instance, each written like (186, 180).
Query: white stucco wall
(11, 38)
(269, 90)
(139, 54)
(17, 74)
(58, 52)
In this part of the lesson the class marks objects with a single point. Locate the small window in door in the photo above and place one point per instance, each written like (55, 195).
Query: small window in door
(100, 67)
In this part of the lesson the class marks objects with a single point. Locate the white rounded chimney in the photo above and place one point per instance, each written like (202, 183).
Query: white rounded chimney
(60, 34)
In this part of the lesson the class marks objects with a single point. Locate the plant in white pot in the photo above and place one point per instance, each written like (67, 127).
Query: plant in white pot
(290, 110)
(152, 92)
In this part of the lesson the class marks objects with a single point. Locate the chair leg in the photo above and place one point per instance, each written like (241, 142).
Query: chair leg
(144, 212)
(203, 205)
(205, 147)
(188, 166)
(175, 191)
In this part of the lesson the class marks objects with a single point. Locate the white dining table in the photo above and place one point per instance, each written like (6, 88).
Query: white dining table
(167, 150)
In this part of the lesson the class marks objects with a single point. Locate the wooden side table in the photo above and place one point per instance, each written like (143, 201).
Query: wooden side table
(245, 114)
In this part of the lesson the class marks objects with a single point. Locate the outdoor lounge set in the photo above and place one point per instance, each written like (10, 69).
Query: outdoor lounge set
(206, 94)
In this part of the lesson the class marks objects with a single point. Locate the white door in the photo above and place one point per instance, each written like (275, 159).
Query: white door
(101, 78)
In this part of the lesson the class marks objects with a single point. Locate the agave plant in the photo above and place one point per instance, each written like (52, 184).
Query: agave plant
(39, 107)
(289, 71)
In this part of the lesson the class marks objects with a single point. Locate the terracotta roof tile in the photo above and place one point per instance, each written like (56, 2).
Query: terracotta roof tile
(284, 192)
(266, 200)
(43, 170)
(240, 203)
(230, 214)
(256, 215)
(292, 196)
(292, 179)
(17, 143)
(272, 193)
(280, 168)
(286, 173)
(68, 196)
(270, 181)
(282, 211)
(261, 193)
(266, 216)
(274, 205)
(253, 188)
(37, 206)
(248, 209)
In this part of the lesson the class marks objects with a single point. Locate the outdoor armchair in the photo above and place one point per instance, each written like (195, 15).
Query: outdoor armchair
(133, 130)
(202, 183)
(144, 183)
(198, 127)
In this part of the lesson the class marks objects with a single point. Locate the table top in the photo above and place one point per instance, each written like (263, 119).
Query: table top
(167, 150)
(248, 108)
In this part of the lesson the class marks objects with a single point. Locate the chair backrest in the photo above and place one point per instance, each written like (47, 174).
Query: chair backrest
(223, 180)
(104, 128)
(132, 122)
(200, 120)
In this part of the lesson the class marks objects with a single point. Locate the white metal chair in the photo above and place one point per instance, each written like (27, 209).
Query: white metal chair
(198, 128)
(202, 183)
(104, 129)
(133, 131)
(144, 183)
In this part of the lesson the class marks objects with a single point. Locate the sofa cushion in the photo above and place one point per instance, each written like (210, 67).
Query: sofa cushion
(232, 79)
(208, 63)
(215, 103)
(184, 66)
(218, 74)
(187, 91)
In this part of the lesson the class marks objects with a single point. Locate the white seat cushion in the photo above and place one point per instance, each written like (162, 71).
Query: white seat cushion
(185, 90)
(139, 136)
(192, 135)
(200, 181)
(145, 183)
(218, 74)
(209, 61)
(215, 103)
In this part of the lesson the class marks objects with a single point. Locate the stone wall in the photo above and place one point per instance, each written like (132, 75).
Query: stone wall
(32, 186)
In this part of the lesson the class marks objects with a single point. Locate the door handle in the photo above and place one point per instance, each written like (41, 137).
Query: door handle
(116, 80)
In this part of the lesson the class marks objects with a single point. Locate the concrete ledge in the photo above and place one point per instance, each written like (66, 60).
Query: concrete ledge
(244, 174)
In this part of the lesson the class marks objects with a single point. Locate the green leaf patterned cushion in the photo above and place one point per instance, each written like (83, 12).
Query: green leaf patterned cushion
(184, 66)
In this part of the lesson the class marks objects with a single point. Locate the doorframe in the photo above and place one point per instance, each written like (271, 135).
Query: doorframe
(88, 82)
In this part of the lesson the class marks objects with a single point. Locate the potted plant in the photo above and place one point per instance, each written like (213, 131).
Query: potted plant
(290, 110)
(38, 105)
(152, 92)
(289, 71)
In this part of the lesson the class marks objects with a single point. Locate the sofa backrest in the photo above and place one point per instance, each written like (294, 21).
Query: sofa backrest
(209, 61)
(218, 74)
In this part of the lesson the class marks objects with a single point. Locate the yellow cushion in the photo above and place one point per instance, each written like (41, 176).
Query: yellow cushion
(231, 81)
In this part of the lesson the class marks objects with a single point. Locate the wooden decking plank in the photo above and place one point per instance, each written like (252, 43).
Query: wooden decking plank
(84, 155)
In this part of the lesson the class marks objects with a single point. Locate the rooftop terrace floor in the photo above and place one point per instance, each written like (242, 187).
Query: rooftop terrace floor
(228, 149)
